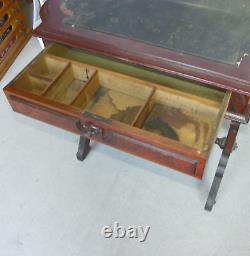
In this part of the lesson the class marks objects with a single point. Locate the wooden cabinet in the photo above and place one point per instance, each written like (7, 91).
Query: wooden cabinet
(151, 79)
(14, 32)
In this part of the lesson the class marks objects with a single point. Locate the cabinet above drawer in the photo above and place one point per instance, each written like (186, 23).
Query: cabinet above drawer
(4, 5)
(163, 119)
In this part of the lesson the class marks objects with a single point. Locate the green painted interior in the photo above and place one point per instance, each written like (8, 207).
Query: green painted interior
(137, 71)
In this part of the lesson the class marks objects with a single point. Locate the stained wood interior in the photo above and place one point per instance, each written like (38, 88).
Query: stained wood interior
(40, 75)
(68, 87)
(31, 84)
(114, 97)
(178, 117)
(190, 119)
(47, 68)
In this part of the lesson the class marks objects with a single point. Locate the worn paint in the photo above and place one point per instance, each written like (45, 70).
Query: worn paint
(209, 29)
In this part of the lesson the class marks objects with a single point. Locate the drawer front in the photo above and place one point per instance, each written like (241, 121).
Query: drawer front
(44, 114)
(106, 134)
(139, 144)
(165, 125)
(153, 153)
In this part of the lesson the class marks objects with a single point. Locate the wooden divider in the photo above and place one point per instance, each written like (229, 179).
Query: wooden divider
(189, 119)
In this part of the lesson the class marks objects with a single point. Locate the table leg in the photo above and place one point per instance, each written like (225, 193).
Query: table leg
(83, 148)
(227, 150)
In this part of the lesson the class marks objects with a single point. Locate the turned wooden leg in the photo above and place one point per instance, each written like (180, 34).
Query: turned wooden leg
(228, 146)
(83, 148)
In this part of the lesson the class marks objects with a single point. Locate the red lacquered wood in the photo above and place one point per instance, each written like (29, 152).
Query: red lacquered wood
(238, 109)
(229, 77)
(129, 139)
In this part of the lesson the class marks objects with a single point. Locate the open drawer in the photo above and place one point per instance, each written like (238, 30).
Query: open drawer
(163, 119)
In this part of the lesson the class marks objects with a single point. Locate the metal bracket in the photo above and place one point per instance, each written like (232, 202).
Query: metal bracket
(221, 142)
(248, 114)
(83, 148)
(227, 145)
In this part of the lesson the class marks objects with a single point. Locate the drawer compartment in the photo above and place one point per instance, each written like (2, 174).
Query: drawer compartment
(114, 97)
(40, 75)
(174, 115)
(160, 121)
(47, 68)
(71, 83)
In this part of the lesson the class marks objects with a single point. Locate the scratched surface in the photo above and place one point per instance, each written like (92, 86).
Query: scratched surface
(215, 29)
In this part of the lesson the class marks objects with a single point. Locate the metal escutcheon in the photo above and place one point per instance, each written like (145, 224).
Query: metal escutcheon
(89, 129)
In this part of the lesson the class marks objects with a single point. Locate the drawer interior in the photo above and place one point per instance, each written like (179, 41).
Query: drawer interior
(114, 97)
(186, 117)
(70, 84)
(40, 75)
(181, 118)
(47, 68)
